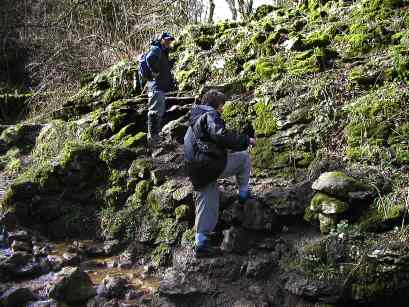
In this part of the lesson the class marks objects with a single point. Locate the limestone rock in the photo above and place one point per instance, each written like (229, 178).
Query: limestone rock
(339, 185)
(236, 240)
(325, 204)
(327, 222)
(259, 217)
(72, 285)
(21, 246)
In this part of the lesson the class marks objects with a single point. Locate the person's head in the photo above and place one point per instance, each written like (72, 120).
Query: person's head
(166, 39)
(215, 99)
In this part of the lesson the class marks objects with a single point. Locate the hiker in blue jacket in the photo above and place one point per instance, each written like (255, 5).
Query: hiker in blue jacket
(158, 60)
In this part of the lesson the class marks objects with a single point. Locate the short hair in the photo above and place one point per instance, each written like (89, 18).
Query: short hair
(214, 99)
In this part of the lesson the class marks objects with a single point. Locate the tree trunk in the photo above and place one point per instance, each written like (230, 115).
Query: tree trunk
(211, 11)
(233, 8)
(245, 8)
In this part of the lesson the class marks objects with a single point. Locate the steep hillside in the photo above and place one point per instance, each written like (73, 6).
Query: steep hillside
(323, 88)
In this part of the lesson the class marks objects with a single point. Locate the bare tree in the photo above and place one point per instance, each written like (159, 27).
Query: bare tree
(245, 8)
(210, 16)
(233, 8)
(48, 45)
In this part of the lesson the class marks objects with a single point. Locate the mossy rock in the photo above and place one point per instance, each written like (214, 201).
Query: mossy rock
(262, 11)
(339, 185)
(327, 222)
(236, 116)
(322, 203)
(382, 219)
(265, 123)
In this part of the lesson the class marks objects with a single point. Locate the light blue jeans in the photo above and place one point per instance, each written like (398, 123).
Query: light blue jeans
(157, 107)
(207, 199)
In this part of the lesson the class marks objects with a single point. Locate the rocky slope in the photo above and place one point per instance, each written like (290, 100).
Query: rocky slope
(322, 86)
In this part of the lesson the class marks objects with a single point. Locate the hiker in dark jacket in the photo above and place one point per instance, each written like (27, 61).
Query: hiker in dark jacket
(207, 146)
(162, 82)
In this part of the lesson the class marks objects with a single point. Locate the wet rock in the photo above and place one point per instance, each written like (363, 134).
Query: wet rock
(260, 265)
(133, 251)
(20, 235)
(103, 249)
(71, 259)
(97, 301)
(47, 303)
(244, 303)
(9, 220)
(134, 294)
(227, 267)
(19, 265)
(16, 297)
(237, 240)
(21, 246)
(176, 129)
(232, 215)
(179, 283)
(289, 201)
(112, 287)
(260, 218)
(71, 285)
(340, 185)
(326, 291)
(125, 264)
(41, 251)
(56, 262)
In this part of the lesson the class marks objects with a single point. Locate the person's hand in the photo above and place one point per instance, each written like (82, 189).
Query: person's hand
(253, 141)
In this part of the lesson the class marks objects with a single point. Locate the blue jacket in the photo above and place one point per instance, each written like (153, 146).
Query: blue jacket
(206, 144)
(158, 61)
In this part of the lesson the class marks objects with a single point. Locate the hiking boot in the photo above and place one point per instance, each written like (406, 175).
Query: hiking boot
(207, 250)
(248, 197)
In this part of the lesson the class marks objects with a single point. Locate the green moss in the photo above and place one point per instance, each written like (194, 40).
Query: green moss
(382, 218)
(268, 68)
(182, 212)
(12, 135)
(80, 154)
(235, 114)
(373, 118)
(265, 123)
(316, 39)
(161, 254)
(310, 215)
(262, 11)
(188, 237)
(262, 154)
(12, 154)
(307, 62)
(137, 140)
(327, 204)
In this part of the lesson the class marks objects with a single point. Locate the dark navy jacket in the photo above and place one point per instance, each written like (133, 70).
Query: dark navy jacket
(206, 144)
(158, 61)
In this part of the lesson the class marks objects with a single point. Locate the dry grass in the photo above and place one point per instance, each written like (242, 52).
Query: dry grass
(47, 45)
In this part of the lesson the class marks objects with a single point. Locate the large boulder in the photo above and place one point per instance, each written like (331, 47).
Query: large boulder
(16, 297)
(339, 185)
(72, 285)
(113, 287)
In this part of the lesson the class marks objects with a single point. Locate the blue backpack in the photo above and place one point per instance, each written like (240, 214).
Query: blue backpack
(145, 73)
